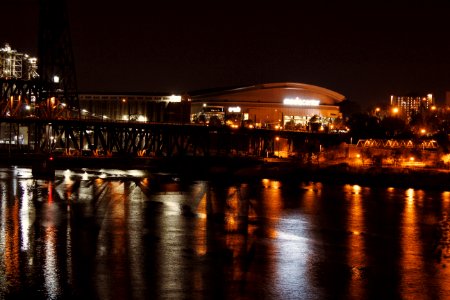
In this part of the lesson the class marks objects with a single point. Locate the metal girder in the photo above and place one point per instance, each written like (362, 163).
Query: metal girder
(397, 144)
(90, 137)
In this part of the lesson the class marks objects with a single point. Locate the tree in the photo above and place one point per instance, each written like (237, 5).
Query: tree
(348, 108)
(394, 127)
(364, 126)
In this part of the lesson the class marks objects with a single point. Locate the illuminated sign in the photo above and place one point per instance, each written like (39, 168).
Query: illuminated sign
(301, 102)
(234, 109)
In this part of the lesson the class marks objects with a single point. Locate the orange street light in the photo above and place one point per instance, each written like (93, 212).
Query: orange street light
(395, 110)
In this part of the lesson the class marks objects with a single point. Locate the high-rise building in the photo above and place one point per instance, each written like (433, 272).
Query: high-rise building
(406, 106)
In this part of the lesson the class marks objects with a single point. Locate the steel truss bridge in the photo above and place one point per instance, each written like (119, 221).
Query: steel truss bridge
(72, 137)
(398, 144)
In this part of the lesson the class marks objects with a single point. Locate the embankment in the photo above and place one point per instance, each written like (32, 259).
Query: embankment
(251, 168)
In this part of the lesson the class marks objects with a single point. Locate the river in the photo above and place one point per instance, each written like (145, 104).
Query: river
(130, 234)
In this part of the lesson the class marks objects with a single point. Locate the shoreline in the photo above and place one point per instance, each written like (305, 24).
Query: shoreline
(342, 173)
(232, 169)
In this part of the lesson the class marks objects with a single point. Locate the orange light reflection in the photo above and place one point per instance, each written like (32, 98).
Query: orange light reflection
(412, 253)
(357, 259)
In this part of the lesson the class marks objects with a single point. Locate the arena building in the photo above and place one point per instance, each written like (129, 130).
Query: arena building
(273, 105)
(291, 106)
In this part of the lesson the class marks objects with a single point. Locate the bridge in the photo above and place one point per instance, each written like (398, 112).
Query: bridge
(398, 144)
(75, 137)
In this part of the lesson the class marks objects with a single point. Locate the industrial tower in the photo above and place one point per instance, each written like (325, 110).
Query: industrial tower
(55, 56)
(45, 87)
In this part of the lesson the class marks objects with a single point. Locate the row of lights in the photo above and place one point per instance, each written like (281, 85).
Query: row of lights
(411, 158)
(395, 110)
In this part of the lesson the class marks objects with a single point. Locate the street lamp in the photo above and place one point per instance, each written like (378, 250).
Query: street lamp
(125, 101)
(395, 110)
(377, 111)
(277, 139)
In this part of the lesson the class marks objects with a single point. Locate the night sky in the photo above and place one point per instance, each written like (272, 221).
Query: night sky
(363, 50)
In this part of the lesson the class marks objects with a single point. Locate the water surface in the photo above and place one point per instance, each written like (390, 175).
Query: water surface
(112, 234)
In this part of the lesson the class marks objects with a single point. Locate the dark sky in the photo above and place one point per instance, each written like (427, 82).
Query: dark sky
(363, 50)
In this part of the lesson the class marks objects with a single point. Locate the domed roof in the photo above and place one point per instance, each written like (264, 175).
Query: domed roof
(271, 93)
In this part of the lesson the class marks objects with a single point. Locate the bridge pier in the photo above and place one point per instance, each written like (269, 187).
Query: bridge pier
(43, 167)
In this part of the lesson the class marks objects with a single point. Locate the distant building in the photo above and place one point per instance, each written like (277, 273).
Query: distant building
(406, 106)
(285, 104)
(15, 65)
(136, 107)
(273, 105)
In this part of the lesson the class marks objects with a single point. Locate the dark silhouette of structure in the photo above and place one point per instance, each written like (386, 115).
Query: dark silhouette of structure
(51, 92)
(55, 57)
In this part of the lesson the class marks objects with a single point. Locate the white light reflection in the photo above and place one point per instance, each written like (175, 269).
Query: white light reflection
(3, 231)
(289, 236)
(292, 256)
(136, 173)
(174, 208)
(69, 249)
(291, 250)
(14, 182)
(24, 217)
(50, 265)
(85, 176)
(136, 224)
(172, 235)
(67, 174)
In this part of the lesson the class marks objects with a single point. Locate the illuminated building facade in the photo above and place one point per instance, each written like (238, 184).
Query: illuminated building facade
(15, 65)
(272, 105)
(407, 106)
(136, 107)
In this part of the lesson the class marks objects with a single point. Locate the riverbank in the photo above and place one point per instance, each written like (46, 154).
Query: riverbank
(294, 172)
(252, 168)
(417, 178)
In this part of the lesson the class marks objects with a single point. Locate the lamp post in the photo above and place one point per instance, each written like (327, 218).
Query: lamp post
(277, 141)
(125, 101)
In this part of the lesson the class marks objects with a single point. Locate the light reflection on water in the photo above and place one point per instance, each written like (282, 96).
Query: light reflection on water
(112, 234)
(356, 259)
